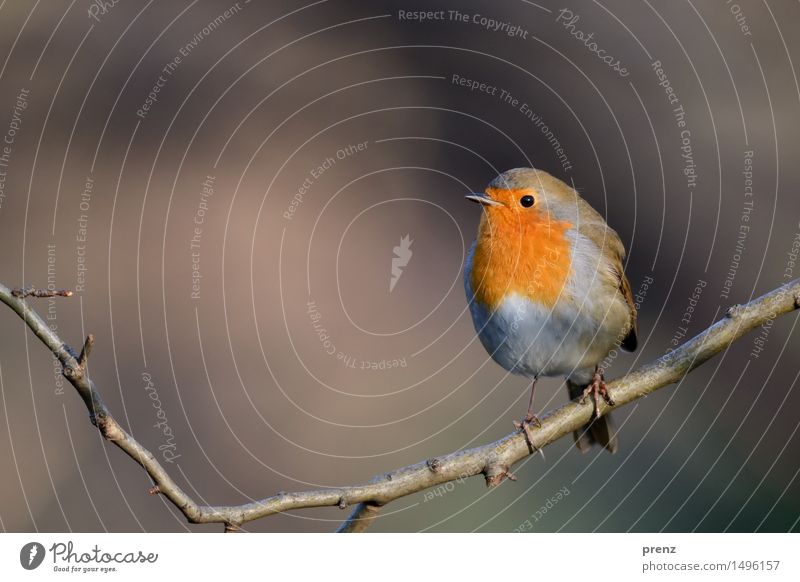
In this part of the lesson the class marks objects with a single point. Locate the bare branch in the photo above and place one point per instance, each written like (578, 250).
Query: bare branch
(493, 460)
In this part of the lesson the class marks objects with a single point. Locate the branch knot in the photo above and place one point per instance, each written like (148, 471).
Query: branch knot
(495, 473)
(734, 311)
(108, 427)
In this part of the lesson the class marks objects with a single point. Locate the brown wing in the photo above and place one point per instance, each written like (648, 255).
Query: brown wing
(606, 237)
(595, 228)
(630, 342)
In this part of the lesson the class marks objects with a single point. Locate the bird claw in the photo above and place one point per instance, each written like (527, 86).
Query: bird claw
(524, 427)
(597, 389)
(532, 418)
(527, 421)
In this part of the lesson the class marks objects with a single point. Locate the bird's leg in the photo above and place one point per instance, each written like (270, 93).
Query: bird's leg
(597, 388)
(530, 417)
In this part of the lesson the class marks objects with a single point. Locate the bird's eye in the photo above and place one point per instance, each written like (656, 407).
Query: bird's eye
(526, 201)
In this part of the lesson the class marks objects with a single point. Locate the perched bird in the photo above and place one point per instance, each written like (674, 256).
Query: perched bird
(546, 289)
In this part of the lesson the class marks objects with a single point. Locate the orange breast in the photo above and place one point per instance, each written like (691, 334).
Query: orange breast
(520, 251)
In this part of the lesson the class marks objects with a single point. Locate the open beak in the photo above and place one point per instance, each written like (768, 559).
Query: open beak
(482, 198)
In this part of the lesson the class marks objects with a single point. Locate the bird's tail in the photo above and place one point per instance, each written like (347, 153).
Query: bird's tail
(601, 431)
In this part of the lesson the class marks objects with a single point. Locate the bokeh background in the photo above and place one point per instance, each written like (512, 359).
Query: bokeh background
(246, 331)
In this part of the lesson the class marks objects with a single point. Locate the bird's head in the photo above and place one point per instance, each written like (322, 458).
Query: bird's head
(525, 196)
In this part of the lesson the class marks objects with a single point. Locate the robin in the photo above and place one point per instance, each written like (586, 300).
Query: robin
(547, 291)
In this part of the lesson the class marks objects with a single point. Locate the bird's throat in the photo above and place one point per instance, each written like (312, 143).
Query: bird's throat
(524, 254)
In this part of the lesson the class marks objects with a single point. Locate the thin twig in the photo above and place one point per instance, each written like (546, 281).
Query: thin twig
(493, 461)
(361, 518)
(34, 292)
(86, 351)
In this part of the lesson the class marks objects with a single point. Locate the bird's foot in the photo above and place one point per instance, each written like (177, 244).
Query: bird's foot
(597, 389)
(525, 427)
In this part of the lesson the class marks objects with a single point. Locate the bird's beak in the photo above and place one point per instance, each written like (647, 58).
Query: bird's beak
(482, 198)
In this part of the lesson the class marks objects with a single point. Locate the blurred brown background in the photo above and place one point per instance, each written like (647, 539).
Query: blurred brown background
(293, 365)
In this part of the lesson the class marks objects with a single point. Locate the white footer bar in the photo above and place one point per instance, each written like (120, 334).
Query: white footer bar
(382, 557)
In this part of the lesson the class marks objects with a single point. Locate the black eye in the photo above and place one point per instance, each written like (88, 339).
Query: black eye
(526, 201)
